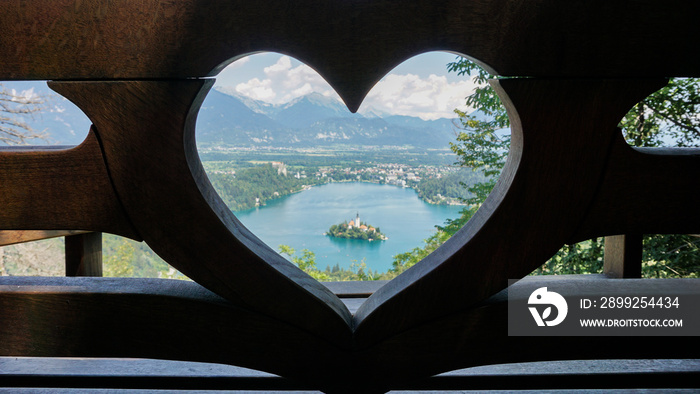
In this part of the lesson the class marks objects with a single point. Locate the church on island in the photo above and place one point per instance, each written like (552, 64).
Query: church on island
(356, 223)
(355, 229)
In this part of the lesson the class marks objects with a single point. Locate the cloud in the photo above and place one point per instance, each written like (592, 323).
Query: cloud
(428, 97)
(283, 82)
(26, 96)
(258, 89)
(408, 94)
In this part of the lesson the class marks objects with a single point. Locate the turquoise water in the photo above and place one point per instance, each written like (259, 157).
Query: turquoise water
(300, 220)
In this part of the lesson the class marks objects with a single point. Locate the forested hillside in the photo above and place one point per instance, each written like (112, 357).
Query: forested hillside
(448, 188)
(250, 187)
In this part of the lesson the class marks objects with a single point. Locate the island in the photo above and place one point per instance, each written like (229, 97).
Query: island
(356, 230)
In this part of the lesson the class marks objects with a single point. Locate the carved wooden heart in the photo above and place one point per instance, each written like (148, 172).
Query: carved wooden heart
(168, 201)
(171, 205)
(138, 70)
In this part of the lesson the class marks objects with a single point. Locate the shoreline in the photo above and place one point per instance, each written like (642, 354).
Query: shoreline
(293, 222)
(309, 187)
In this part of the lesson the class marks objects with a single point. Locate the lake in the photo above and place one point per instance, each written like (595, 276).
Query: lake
(300, 221)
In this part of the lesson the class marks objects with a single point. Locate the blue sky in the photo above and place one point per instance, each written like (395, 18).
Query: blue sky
(421, 86)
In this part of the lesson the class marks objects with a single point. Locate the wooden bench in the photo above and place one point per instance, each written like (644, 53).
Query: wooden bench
(140, 70)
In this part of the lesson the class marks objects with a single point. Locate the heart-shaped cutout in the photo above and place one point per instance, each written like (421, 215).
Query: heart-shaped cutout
(224, 256)
(279, 128)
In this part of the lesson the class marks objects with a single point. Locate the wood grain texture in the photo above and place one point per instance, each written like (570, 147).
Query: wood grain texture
(136, 68)
(660, 182)
(9, 237)
(84, 254)
(147, 128)
(623, 256)
(562, 131)
(136, 39)
(479, 335)
(165, 319)
(58, 189)
(152, 318)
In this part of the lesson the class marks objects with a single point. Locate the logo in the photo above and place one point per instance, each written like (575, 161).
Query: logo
(543, 297)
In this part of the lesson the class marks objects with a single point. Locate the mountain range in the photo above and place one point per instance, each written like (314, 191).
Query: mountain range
(230, 119)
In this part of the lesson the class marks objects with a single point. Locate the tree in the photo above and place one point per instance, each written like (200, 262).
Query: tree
(406, 260)
(671, 113)
(37, 258)
(123, 257)
(120, 263)
(483, 141)
(13, 107)
(307, 261)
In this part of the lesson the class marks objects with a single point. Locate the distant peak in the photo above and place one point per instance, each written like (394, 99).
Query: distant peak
(317, 98)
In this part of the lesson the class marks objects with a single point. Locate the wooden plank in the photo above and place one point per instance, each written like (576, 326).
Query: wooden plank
(115, 367)
(84, 254)
(50, 189)
(151, 384)
(479, 335)
(565, 381)
(562, 131)
(147, 130)
(623, 256)
(355, 289)
(568, 175)
(659, 182)
(98, 373)
(157, 319)
(135, 39)
(142, 318)
(10, 237)
(569, 380)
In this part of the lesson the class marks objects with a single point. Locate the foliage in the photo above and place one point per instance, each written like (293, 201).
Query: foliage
(357, 271)
(671, 112)
(231, 172)
(580, 258)
(126, 257)
(450, 186)
(38, 258)
(406, 260)
(250, 187)
(672, 255)
(119, 263)
(307, 263)
(13, 107)
(483, 142)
